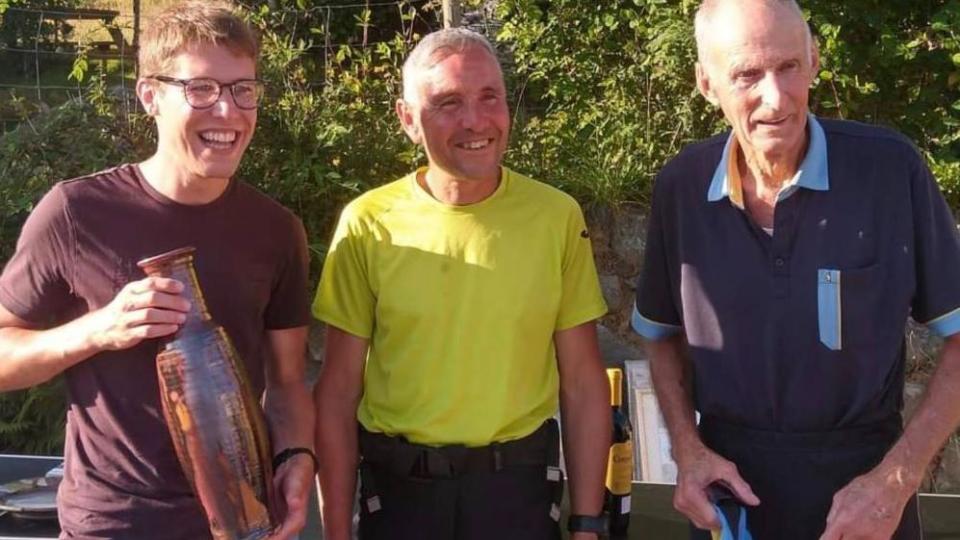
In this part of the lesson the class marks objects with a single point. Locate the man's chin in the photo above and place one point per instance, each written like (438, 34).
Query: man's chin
(215, 172)
(774, 147)
(479, 174)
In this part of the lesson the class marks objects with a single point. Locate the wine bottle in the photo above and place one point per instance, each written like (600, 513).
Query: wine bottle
(619, 462)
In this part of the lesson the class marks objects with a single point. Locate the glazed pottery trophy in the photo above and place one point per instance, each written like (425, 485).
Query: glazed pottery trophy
(217, 426)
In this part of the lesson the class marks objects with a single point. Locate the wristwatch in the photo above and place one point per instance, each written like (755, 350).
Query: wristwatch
(588, 524)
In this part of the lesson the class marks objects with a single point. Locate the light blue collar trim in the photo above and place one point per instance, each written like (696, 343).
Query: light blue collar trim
(719, 187)
(813, 172)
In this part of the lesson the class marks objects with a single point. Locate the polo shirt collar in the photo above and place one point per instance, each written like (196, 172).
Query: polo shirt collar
(812, 173)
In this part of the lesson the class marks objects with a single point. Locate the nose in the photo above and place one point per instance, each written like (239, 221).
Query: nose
(771, 91)
(225, 105)
(472, 116)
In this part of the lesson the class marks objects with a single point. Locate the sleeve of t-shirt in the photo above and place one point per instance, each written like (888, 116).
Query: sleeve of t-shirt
(655, 314)
(582, 299)
(936, 301)
(289, 305)
(344, 297)
(36, 282)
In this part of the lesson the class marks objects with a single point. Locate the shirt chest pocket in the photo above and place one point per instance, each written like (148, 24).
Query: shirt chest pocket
(847, 304)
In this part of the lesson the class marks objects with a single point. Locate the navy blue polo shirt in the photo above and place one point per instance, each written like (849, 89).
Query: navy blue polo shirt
(801, 330)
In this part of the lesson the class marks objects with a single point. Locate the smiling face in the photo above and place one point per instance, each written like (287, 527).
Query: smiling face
(201, 144)
(758, 65)
(458, 112)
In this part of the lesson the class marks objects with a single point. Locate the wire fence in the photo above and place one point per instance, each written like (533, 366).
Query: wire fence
(41, 47)
(43, 50)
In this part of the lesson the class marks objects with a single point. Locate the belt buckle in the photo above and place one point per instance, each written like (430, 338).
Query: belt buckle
(433, 463)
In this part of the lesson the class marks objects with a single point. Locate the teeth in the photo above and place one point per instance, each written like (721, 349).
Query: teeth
(219, 136)
(475, 145)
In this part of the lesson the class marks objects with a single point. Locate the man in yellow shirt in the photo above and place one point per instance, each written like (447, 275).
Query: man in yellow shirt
(460, 304)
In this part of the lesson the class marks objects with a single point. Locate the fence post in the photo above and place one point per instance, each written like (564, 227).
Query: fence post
(451, 13)
(136, 37)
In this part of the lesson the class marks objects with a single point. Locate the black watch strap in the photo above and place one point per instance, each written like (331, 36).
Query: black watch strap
(589, 524)
(288, 453)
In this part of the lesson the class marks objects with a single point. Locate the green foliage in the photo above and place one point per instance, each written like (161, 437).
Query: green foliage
(327, 131)
(32, 421)
(608, 89)
(898, 64)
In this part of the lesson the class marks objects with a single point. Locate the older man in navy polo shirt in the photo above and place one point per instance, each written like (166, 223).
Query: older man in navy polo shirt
(782, 262)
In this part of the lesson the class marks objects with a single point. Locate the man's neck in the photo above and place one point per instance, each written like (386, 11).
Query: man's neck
(454, 191)
(179, 185)
(763, 175)
(768, 173)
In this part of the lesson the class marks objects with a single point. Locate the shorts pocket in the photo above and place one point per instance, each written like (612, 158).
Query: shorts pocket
(829, 313)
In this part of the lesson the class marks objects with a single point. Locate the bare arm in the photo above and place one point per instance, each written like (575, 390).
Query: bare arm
(289, 412)
(585, 411)
(143, 309)
(337, 396)
(697, 465)
(871, 505)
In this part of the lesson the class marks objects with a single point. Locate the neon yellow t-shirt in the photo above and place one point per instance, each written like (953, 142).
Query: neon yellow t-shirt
(460, 304)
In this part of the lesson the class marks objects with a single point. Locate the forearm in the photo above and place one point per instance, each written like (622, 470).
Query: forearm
(289, 411)
(671, 381)
(31, 357)
(934, 420)
(587, 428)
(337, 451)
(287, 402)
(336, 396)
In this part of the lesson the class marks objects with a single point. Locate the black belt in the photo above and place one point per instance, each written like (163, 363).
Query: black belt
(401, 457)
(880, 433)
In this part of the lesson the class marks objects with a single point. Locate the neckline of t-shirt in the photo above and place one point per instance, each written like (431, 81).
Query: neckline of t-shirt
(167, 201)
(422, 195)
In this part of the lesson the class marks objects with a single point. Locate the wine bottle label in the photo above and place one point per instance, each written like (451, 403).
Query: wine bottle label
(620, 468)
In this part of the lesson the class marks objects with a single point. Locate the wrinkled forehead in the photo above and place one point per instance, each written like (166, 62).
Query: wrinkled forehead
(471, 69)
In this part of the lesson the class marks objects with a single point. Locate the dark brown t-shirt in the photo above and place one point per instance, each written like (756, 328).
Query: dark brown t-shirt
(78, 248)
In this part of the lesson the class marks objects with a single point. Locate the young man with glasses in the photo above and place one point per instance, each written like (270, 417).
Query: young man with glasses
(73, 301)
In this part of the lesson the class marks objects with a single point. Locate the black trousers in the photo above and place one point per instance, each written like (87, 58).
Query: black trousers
(474, 499)
(796, 475)
(513, 504)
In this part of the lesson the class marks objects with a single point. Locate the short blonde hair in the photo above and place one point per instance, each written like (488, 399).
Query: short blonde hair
(190, 23)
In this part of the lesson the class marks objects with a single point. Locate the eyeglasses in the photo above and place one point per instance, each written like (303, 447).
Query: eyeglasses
(204, 93)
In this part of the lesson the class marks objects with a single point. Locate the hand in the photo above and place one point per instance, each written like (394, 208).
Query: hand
(143, 309)
(869, 507)
(700, 468)
(292, 482)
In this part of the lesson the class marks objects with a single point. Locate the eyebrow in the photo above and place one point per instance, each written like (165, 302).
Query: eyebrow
(737, 67)
(444, 95)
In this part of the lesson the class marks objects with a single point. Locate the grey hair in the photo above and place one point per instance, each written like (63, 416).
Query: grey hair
(708, 8)
(437, 46)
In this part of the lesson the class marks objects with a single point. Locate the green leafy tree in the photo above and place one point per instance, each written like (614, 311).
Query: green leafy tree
(608, 92)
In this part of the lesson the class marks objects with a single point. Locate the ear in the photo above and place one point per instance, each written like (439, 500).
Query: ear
(705, 86)
(149, 95)
(407, 121)
(814, 58)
